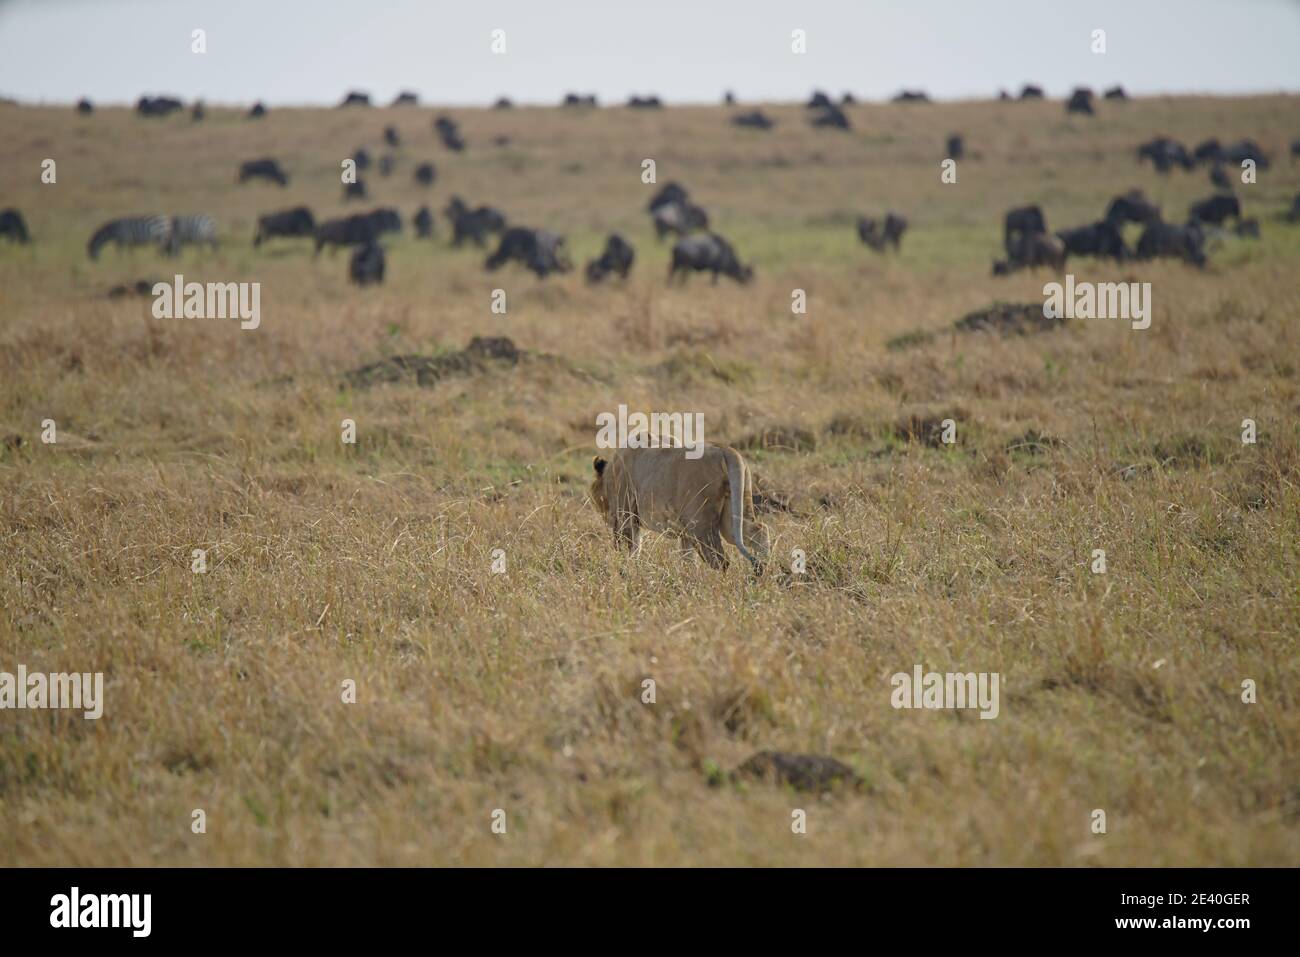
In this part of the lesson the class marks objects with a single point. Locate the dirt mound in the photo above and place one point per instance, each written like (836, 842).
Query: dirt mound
(803, 772)
(783, 438)
(481, 353)
(1009, 319)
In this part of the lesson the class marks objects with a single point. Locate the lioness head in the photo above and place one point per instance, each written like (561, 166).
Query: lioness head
(599, 497)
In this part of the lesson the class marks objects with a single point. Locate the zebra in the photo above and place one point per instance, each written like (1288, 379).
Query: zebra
(130, 231)
(192, 230)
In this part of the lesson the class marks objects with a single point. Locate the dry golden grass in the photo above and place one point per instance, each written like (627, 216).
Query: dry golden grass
(523, 691)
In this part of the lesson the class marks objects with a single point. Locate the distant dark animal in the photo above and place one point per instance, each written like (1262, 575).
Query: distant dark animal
(617, 257)
(880, 237)
(158, 105)
(1295, 149)
(392, 137)
(1080, 101)
(832, 117)
(197, 113)
(141, 287)
(644, 102)
(1165, 153)
(449, 132)
(199, 229)
(1004, 95)
(130, 231)
(503, 104)
(386, 164)
(671, 192)
(956, 147)
(265, 169)
(1032, 250)
(1247, 149)
(1219, 177)
(406, 98)
(356, 98)
(384, 219)
(707, 253)
(1248, 228)
(297, 221)
(425, 174)
(361, 158)
(729, 98)
(1292, 215)
(847, 99)
(578, 99)
(1208, 151)
(1215, 210)
(13, 227)
(85, 107)
(1116, 93)
(354, 190)
(367, 264)
(1132, 207)
(423, 222)
(1031, 92)
(536, 249)
(1169, 239)
(912, 96)
(819, 101)
(755, 120)
(257, 111)
(679, 219)
(1101, 239)
(473, 224)
(358, 229)
(1019, 223)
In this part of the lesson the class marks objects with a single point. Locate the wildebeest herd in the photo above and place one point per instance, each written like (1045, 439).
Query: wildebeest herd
(1027, 241)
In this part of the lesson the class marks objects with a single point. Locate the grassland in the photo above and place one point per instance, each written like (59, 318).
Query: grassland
(372, 562)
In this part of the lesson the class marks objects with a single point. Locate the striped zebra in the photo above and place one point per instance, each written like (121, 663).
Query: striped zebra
(191, 230)
(130, 231)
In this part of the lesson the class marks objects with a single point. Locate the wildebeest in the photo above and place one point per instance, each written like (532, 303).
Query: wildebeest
(355, 189)
(265, 169)
(679, 218)
(879, 237)
(1170, 239)
(644, 102)
(1080, 101)
(1247, 149)
(847, 99)
(1031, 92)
(367, 264)
(503, 103)
(1021, 222)
(1219, 177)
(579, 99)
(158, 105)
(1132, 207)
(423, 222)
(130, 231)
(1116, 93)
(755, 120)
(956, 146)
(85, 107)
(671, 192)
(297, 221)
(392, 137)
(707, 253)
(1165, 153)
(1292, 215)
(190, 230)
(819, 100)
(1215, 210)
(831, 117)
(1208, 151)
(257, 111)
(1101, 239)
(912, 96)
(729, 98)
(616, 257)
(536, 249)
(13, 227)
(356, 98)
(473, 224)
(425, 174)
(449, 132)
(386, 164)
(406, 98)
(1031, 250)
(198, 112)
(358, 229)
(361, 157)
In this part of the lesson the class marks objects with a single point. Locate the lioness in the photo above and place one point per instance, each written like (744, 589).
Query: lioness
(703, 500)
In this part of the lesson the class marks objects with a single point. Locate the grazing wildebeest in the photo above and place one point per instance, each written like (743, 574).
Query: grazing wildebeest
(1170, 239)
(755, 120)
(354, 190)
(831, 117)
(672, 192)
(356, 98)
(264, 168)
(257, 111)
(406, 98)
(819, 101)
(1116, 93)
(616, 257)
(367, 264)
(1208, 151)
(912, 96)
(1219, 177)
(1021, 222)
(1215, 210)
(1080, 101)
(679, 218)
(1031, 92)
(956, 146)
(357, 230)
(158, 105)
(192, 230)
(297, 221)
(537, 249)
(707, 253)
(871, 232)
(392, 137)
(423, 222)
(449, 132)
(474, 224)
(1132, 207)
(1031, 250)
(385, 219)
(425, 174)
(1247, 149)
(578, 99)
(1101, 239)
(130, 231)
(361, 158)
(85, 107)
(644, 102)
(1165, 154)
(13, 227)
(503, 103)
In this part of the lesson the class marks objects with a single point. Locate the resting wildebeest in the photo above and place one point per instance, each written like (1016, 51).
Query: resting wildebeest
(1098, 239)
(956, 147)
(679, 218)
(423, 222)
(1215, 210)
(85, 107)
(356, 98)
(264, 168)
(425, 174)
(1031, 92)
(287, 222)
(258, 111)
(1165, 154)
(1020, 222)
(756, 120)
(1080, 101)
(707, 253)
(392, 137)
(13, 227)
(536, 249)
(1132, 207)
(354, 190)
(617, 257)
(367, 264)
(871, 232)
(1116, 93)
(157, 105)
(832, 117)
(1169, 239)
(474, 224)
(1031, 250)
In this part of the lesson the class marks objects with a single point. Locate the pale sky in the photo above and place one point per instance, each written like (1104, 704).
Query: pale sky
(685, 51)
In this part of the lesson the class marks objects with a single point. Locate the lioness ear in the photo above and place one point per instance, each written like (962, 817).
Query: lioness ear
(599, 465)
